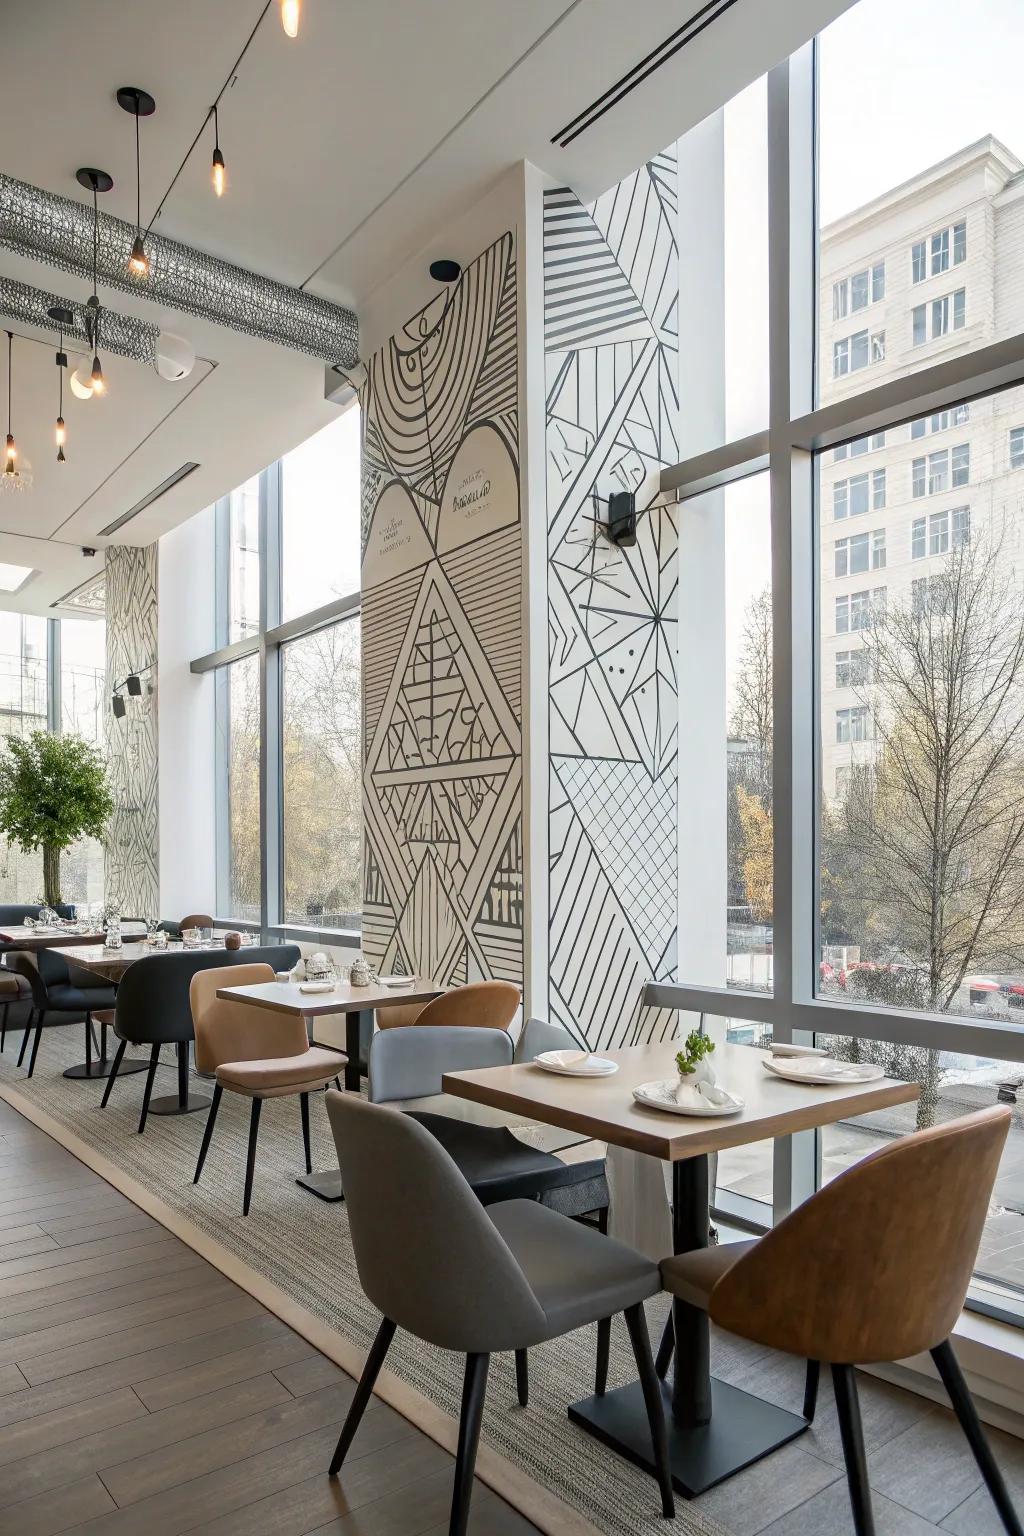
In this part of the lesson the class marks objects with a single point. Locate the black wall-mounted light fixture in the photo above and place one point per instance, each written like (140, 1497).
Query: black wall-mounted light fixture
(622, 518)
(119, 707)
(133, 682)
(140, 104)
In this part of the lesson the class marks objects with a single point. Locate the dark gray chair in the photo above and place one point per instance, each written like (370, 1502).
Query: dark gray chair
(153, 1009)
(57, 991)
(504, 1278)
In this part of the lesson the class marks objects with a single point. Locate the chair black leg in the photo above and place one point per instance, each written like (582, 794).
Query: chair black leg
(154, 1062)
(963, 1406)
(3, 1026)
(28, 1030)
(852, 1431)
(250, 1162)
(523, 1377)
(636, 1322)
(103, 1045)
(118, 1058)
(604, 1344)
(337, 1083)
(473, 1392)
(88, 1045)
(208, 1133)
(364, 1391)
(811, 1388)
(304, 1102)
(665, 1348)
(35, 1042)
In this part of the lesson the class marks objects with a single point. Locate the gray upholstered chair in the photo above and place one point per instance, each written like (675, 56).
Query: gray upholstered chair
(504, 1278)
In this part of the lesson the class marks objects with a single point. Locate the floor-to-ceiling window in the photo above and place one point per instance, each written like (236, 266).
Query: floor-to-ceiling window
(861, 777)
(288, 691)
(84, 703)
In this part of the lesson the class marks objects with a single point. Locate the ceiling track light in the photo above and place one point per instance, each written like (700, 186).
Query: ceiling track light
(131, 98)
(290, 17)
(64, 320)
(218, 170)
(96, 181)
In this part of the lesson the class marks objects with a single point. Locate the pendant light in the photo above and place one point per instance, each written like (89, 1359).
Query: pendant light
(11, 450)
(64, 320)
(140, 104)
(96, 181)
(218, 170)
(290, 17)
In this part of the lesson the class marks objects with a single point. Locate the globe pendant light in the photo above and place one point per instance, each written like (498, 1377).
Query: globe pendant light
(96, 181)
(140, 104)
(64, 320)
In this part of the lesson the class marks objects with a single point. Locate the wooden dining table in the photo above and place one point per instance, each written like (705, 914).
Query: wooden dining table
(18, 937)
(288, 997)
(715, 1429)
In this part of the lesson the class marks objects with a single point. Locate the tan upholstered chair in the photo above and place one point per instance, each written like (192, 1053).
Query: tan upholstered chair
(398, 1017)
(258, 1054)
(873, 1268)
(484, 1004)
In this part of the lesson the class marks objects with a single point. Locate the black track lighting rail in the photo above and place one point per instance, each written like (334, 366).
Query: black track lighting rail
(232, 73)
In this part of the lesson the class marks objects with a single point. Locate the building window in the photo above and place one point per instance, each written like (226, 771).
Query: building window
(940, 421)
(1017, 447)
(856, 352)
(878, 550)
(852, 724)
(852, 554)
(854, 609)
(238, 805)
(961, 522)
(939, 317)
(929, 594)
(858, 446)
(931, 475)
(853, 293)
(852, 668)
(931, 256)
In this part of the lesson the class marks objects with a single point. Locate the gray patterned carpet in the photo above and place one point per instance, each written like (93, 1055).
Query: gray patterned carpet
(302, 1245)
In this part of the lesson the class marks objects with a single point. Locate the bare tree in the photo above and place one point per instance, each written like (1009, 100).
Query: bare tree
(931, 832)
(751, 719)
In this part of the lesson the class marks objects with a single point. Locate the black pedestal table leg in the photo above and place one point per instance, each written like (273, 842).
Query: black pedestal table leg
(691, 1384)
(182, 1102)
(304, 1102)
(352, 1076)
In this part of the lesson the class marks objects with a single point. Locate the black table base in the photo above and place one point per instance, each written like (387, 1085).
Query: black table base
(102, 1068)
(172, 1104)
(742, 1429)
(326, 1186)
(714, 1429)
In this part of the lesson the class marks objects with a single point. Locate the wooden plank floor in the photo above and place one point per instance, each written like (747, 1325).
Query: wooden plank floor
(143, 1394)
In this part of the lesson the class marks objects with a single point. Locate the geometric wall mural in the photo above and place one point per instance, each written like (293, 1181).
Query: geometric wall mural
(611, 343)
(131, 845)
(442, 636)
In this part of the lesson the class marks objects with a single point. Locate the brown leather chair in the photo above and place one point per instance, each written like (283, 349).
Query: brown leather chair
(484, 1004)
(873, 1268)
(399, 1016)
(255, 1053)
(195, 920)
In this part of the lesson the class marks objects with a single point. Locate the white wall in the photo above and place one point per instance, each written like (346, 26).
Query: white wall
(186, 607)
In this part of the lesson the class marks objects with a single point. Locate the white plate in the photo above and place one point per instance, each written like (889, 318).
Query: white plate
(576, 1064)
(824, 1070)
(396, 981)
(662, 1095)
(317, 986)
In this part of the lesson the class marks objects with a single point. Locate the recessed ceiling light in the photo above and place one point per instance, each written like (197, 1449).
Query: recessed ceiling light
(13, 576)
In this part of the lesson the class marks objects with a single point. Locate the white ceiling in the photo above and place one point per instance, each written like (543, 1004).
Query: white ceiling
(345, 149)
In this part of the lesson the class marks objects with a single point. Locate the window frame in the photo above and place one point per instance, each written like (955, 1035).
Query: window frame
(798, 430)
(271, 635)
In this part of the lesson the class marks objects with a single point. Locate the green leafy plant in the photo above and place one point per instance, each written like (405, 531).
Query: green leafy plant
(695, 1047)
(53, 791)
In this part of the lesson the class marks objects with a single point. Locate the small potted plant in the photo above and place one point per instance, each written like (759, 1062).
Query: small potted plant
(692, 1061)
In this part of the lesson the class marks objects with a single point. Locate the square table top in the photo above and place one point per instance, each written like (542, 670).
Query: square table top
(285, 997)
(48, 938)
(604, 1107)
(112, 963)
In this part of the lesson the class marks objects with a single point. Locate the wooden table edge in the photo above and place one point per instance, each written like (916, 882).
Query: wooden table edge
(322, 1002)
(717, 1137)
